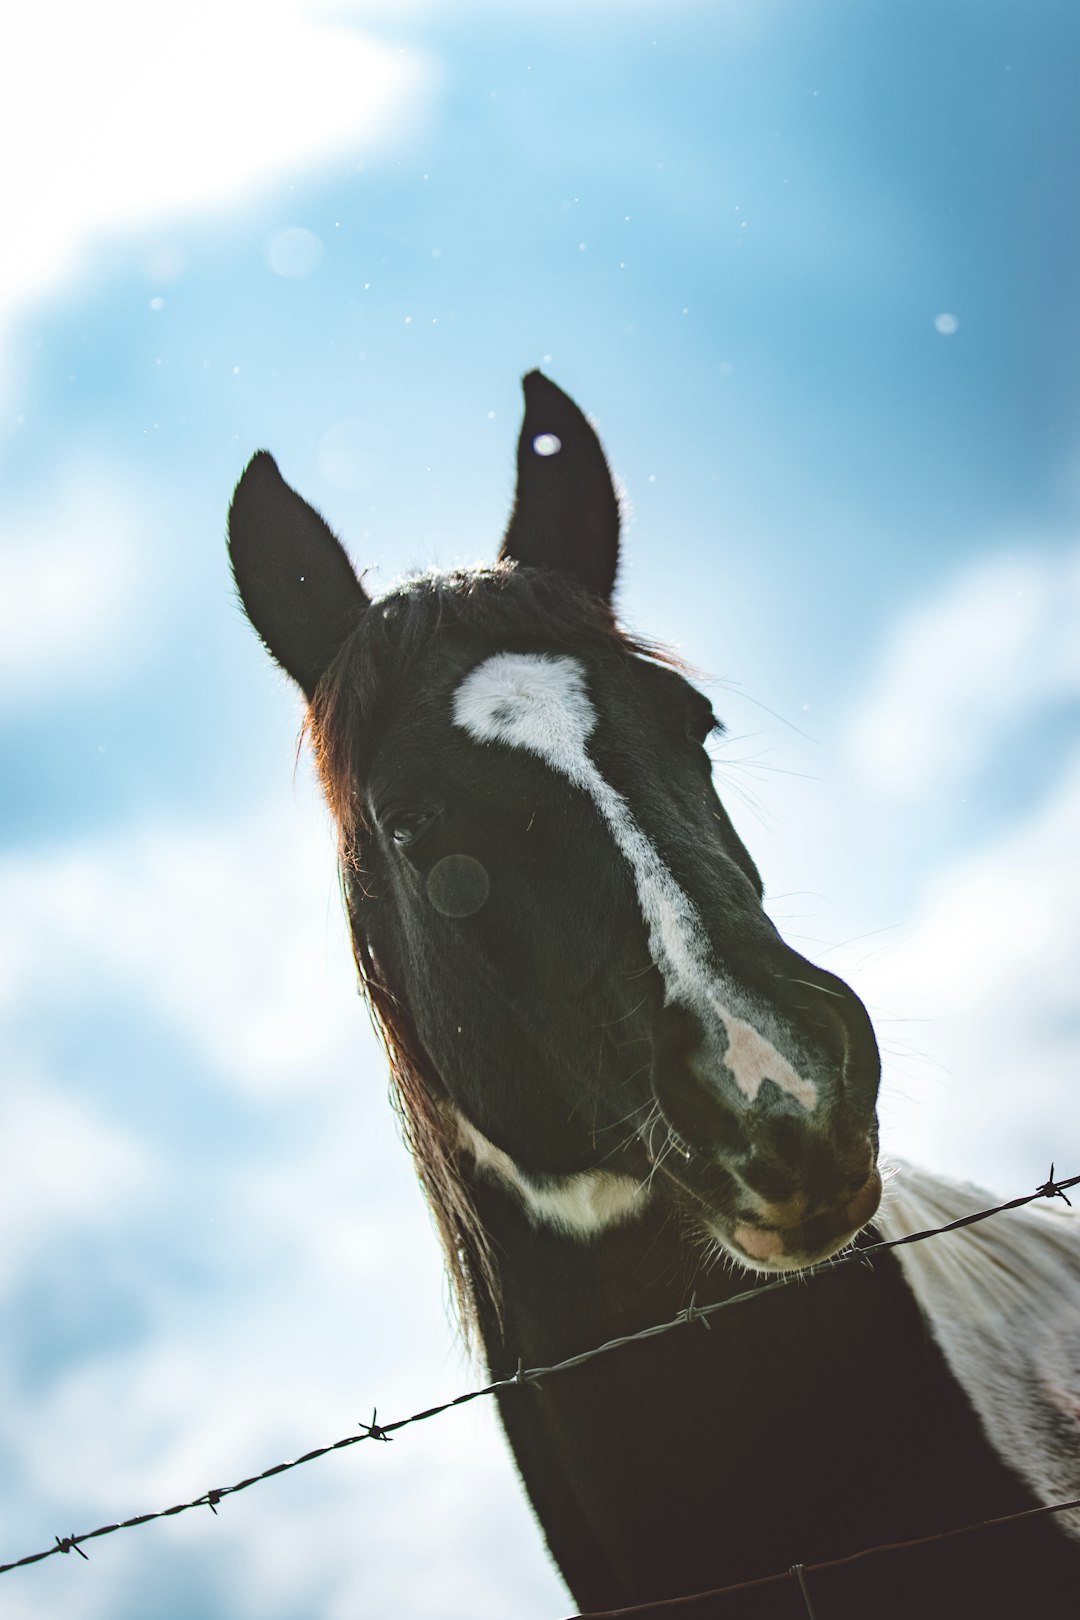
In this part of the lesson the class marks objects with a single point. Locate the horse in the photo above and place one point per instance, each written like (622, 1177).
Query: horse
(624, 1093)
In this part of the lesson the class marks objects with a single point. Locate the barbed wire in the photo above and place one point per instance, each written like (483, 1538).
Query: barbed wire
(691, 1314)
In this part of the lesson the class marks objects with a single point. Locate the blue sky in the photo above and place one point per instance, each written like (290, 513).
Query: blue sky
(812, 267)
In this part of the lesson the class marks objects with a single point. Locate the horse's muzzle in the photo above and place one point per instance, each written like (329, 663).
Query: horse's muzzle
(785, 1247)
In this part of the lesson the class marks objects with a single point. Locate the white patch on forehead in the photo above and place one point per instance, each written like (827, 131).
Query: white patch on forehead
(538, 702)
(578, 1206)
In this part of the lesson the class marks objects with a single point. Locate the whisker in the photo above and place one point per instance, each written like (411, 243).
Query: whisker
(810, 985)
(752, 803)
(638, 1132)
(610, 1024)
(646, 1185)
(637, 973)
(735, 687)
(855, 938)
(637, 1109)
(755, 762)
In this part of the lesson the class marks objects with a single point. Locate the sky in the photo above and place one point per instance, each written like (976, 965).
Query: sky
(812, 265)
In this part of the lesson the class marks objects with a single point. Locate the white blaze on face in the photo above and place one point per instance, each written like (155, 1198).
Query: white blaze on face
(538, 702)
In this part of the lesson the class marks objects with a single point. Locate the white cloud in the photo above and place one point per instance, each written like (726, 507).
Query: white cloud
(985, 653)
(433, 1524)
(972, 973)
(991, 959)
(70, 571)
(168, 918)
(119, 114)
(63, 1165)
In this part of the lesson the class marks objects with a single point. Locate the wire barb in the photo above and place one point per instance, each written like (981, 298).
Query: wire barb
(797, 1575)
(1051, 1189)
(692, 1313)
(375, 1430)
(67, 1544)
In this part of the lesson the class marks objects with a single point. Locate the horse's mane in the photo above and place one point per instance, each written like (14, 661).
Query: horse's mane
(524, 609)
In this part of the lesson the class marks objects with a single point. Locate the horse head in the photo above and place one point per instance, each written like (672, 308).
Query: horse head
(561, 930)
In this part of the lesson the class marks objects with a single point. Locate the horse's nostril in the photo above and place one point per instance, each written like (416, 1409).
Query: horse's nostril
(853, 1186)
(863, 1205)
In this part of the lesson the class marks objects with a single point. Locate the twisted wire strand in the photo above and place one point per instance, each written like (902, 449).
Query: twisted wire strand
(693, 1313)
(798, 1572)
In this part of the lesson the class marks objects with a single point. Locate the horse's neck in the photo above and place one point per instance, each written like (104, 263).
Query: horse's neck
(699, 1427)
(560, 1295)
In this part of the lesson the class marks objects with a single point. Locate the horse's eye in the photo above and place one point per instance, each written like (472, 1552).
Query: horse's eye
(702, 723)
(406, 826)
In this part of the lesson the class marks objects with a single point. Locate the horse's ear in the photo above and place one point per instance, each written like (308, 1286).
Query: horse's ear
(297, 585)
(566, 512)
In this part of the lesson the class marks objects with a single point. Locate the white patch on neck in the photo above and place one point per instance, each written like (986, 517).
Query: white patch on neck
(1002, 1299)
(578, 1206)
(538, 702)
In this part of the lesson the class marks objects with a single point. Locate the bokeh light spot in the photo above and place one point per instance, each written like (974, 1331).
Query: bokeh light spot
(458, 885)
(353, 452)
(294, 253)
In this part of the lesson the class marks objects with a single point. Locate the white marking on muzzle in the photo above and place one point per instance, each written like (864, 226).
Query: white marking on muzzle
(538, 702)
